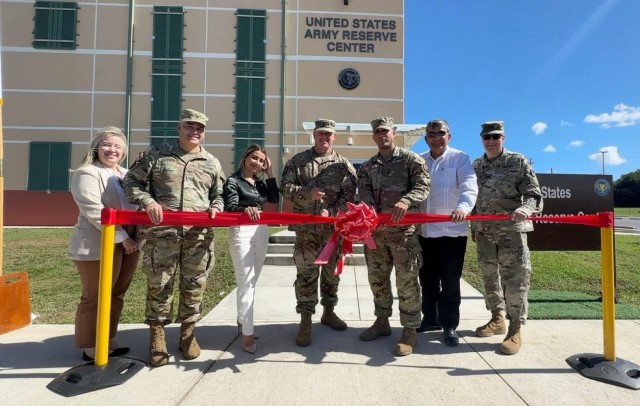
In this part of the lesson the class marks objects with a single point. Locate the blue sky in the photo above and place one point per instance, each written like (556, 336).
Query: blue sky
(564, 75)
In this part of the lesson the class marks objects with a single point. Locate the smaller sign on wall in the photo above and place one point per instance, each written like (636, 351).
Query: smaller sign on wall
(349, 78)
(571, 195)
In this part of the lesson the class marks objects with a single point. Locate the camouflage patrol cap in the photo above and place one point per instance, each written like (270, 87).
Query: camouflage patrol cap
(193, 116)
(382, 122)
(492, 127)
(322, 124)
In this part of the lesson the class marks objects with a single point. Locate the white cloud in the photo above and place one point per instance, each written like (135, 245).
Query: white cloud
(566, 123)
(622, 116)
(539, 127)
(611, 156)
(549, 148)
(576, 144)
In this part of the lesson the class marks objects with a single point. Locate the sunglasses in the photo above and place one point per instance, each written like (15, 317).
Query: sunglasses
(488, 137)
(436, 134)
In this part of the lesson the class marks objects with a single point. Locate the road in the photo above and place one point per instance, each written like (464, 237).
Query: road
(628, 225)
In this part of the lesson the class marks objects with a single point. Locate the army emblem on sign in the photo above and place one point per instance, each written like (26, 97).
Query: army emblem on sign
(349, 78)
(602, 187)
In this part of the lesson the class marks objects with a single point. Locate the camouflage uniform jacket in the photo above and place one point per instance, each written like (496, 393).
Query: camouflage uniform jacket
(177, 181)
(401, 177)
(506, 184)
(332, 173)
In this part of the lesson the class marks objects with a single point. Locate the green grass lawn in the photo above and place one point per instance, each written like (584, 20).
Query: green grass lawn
(627, 211)
(564, 285)
(55, 286)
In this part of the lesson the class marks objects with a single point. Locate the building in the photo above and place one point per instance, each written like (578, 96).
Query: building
(259, 69)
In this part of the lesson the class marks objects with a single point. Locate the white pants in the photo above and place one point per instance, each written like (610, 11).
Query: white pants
(248, 246)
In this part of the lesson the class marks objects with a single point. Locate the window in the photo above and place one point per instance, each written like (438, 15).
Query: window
(49, 166)
(166, 73)
(55, 25)
(250, 80)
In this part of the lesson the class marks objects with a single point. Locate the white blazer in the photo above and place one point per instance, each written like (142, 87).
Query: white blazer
(94, 187)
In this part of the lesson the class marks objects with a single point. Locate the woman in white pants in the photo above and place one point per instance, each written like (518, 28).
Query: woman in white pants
(246, 191)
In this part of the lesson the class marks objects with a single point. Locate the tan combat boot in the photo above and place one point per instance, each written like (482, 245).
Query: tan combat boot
(495, 326)
(407, 342)
(379, 328)
(329, 318)
(158, 355)
(188, 344)
(304, 333)
(513, 341)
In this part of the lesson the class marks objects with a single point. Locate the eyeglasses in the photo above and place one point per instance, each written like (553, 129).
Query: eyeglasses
(488, 137)
(436, 134)
(116, 147)
(194, 128)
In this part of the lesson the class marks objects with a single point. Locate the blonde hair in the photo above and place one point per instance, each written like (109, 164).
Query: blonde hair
(109, 131)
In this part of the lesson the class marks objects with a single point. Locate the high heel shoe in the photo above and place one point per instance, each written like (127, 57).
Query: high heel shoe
(249, 344)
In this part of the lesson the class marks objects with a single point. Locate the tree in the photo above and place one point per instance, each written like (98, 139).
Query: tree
(626, 190)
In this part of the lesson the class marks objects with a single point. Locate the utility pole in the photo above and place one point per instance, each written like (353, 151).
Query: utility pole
(603, 152)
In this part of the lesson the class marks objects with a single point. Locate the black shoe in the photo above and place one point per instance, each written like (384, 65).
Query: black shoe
(451, 337)
(429, 327)
(114, 353)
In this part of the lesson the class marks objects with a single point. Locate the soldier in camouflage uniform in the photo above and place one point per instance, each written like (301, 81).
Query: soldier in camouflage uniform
(394, 181)
(506, 185)
(178, 176)
(318, 181)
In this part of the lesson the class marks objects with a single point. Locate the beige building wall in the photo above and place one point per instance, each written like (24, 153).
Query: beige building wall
(67, 95)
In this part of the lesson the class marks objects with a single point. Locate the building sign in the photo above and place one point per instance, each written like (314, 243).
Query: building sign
(355, 35)
(571, 195)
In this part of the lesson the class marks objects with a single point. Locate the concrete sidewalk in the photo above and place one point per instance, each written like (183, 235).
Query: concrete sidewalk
(337, 368)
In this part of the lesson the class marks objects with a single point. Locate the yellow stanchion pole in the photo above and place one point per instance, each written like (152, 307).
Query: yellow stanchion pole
(104, 294)
(605, 367)
(101, 373)
(608, 293)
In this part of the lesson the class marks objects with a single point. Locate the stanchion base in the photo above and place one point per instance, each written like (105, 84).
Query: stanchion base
(89, 377)
(619, 372)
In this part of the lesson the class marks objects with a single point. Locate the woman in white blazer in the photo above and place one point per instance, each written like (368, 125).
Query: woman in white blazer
(97, 184)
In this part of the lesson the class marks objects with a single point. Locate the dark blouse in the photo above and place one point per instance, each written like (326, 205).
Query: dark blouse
(240, 194)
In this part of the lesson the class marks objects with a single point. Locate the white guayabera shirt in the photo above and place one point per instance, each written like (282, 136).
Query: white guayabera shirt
(453, 186)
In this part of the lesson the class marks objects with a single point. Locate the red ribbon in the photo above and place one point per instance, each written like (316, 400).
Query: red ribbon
(354, 225)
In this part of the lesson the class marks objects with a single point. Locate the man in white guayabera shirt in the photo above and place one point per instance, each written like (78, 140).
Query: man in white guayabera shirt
(454, 190)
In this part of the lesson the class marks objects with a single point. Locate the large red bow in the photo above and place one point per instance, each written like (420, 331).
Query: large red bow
(355, 225)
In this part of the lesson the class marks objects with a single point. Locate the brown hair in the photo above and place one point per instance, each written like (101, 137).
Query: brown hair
(250, 150)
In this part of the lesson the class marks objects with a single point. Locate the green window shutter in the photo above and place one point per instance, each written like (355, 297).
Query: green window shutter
(38, 166)
(258, 50)
(49, 164)
(55, 24)
(166, 68)
(243, 87)
(257, 100)
(59, 163)
(250, 80)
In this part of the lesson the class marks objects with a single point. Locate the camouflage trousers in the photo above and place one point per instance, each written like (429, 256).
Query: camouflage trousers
(505, 265)
(307, 247)
(395, 249)
(162, 259)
